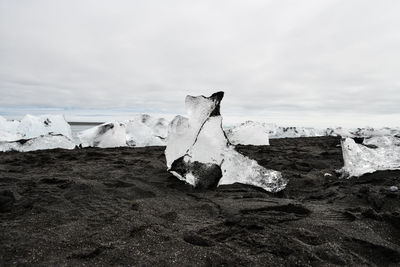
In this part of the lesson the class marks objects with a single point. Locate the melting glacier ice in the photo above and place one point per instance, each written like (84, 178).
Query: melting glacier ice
(199, 153)
(374, 154)
(34, 126)
(144, 130)
(49, 141)
(249, 133)
(109, 134)
(35, 133)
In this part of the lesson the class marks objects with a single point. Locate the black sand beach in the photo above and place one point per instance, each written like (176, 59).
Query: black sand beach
(121, 207)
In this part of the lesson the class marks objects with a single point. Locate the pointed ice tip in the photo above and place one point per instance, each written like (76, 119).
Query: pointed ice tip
(217, 96)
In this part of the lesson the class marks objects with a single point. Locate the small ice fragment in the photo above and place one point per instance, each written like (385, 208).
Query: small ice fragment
(327, 174)
(393, 188)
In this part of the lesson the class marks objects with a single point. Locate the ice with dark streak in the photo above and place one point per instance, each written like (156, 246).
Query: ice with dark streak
(199, 153)
(34, 126)
(48, 141)
(109, 134)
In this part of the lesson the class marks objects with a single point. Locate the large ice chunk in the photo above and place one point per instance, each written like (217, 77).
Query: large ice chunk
(34, 126)
(256, 133)
(339, 131)
(374, 154)
(49, 141)
(199, 152)
(38, 130)
(109, 134)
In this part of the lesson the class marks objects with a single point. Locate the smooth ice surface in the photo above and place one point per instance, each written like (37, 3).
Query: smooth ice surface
(48, 141)
(109, 134)
(248, 133)
(376, 153)
(7, 136)
(211, 144)
(182, 132)
(178, 140)
(201, 139)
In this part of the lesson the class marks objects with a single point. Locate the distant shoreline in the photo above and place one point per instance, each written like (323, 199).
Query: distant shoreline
(74, 123)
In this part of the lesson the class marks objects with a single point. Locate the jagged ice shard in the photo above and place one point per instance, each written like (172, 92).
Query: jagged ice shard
(35, 133)
(199, 153)
(48, 141)
(373, 154)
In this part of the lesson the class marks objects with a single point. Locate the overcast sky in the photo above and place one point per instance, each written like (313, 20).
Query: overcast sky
(294, 62)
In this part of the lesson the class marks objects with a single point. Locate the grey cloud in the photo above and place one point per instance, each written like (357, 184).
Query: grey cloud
(270, 57)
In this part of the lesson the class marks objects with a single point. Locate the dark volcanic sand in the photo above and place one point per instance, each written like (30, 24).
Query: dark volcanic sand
(121, 207)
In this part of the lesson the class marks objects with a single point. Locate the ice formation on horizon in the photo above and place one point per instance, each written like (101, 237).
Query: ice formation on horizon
(145, 130)
(199, 153)
(49, 141)
(140, 131)
(362, 132)
(294, 132)
(252, 131)
(371, 132)
(106, 135)
(8, 130)
(258, 133)
(374, 154)
(34, 126)
(248, 133)
(35, 133)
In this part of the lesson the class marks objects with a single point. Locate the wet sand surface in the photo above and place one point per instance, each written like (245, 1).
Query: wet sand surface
(121, 207)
